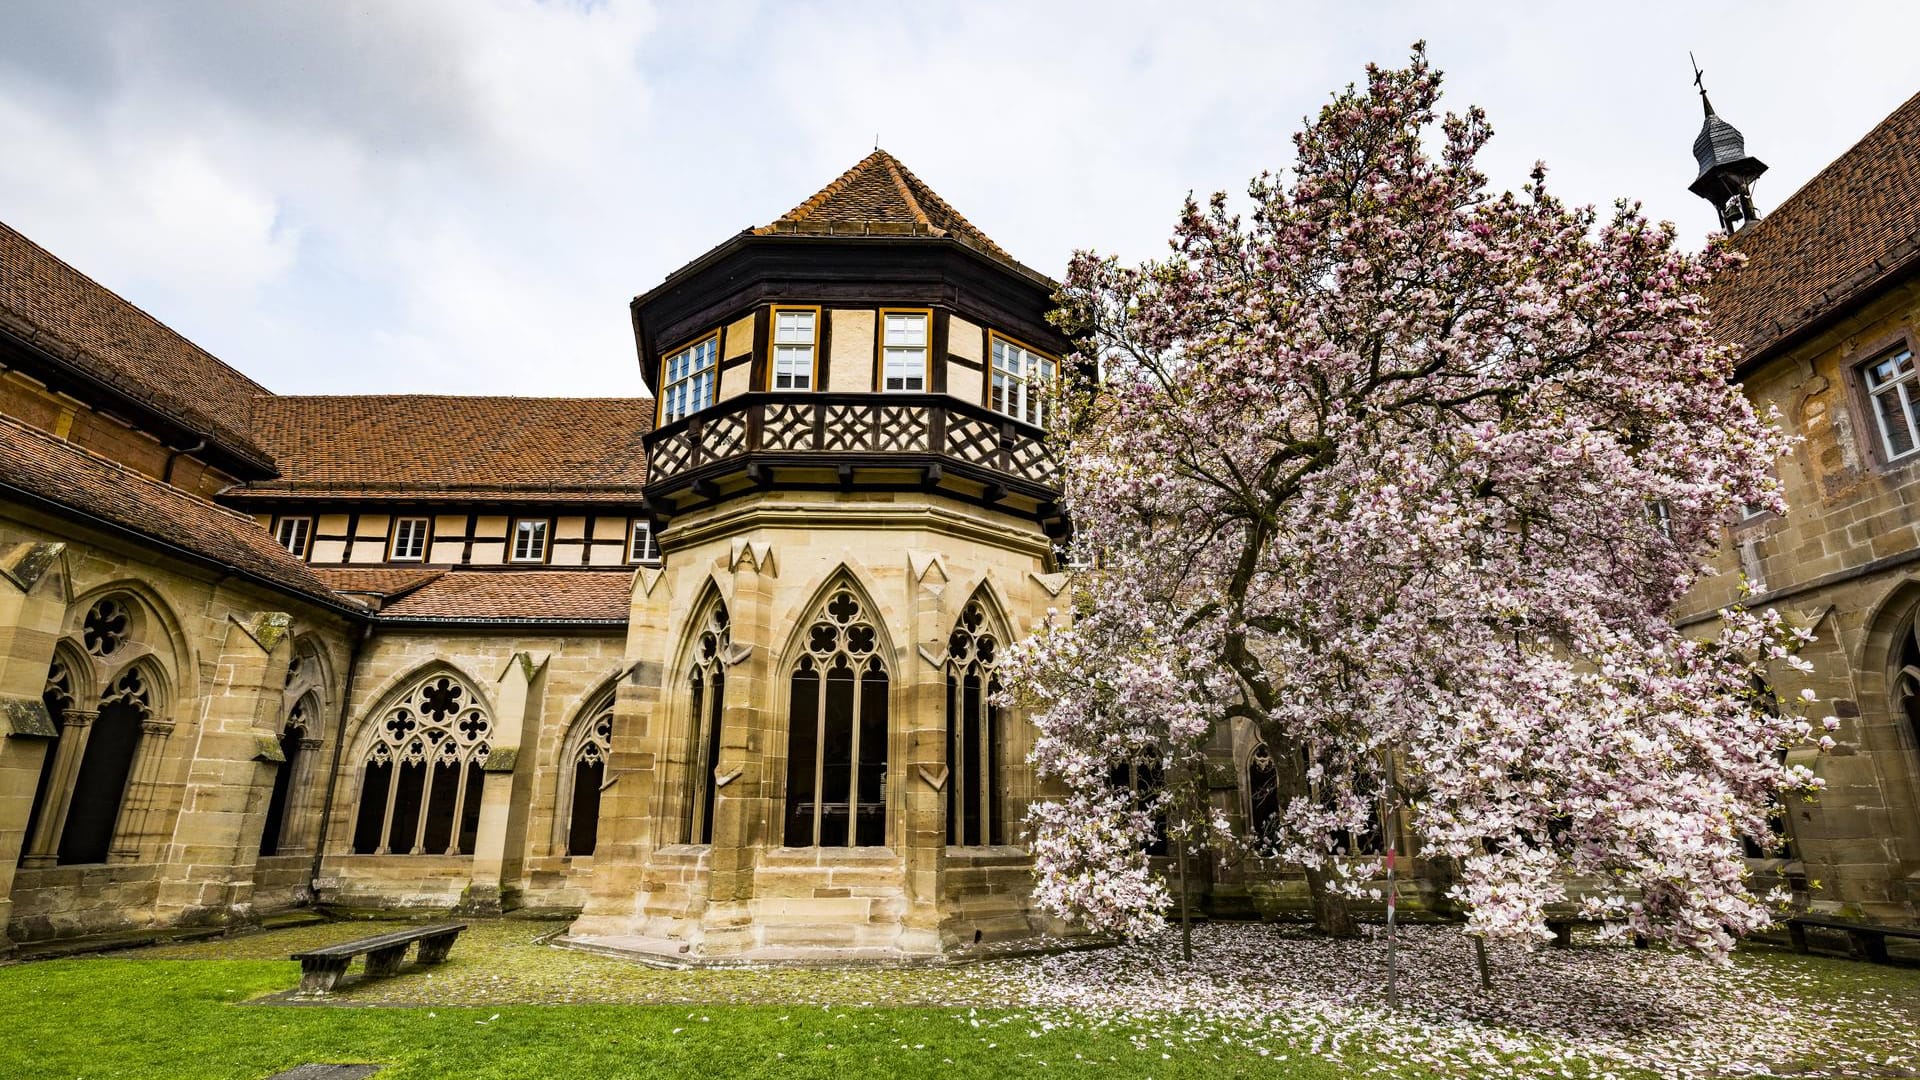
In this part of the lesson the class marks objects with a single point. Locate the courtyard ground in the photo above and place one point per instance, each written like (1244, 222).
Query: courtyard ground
(1264, 1001)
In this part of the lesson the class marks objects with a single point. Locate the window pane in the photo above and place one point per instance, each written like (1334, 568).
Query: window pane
(1896, 434)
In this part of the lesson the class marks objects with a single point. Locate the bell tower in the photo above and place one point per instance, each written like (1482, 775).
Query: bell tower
(1727, 171)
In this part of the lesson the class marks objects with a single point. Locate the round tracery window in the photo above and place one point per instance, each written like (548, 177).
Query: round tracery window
(105, 628)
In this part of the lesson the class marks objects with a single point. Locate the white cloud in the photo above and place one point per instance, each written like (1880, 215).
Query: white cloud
(462, 194)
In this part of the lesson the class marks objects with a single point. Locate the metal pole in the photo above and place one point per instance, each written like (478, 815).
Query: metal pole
(1393, 842)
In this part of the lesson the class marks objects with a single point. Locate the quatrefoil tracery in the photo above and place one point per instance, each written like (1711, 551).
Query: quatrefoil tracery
(436, 721)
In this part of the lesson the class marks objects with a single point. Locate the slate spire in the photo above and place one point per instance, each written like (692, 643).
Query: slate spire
(1727, 171)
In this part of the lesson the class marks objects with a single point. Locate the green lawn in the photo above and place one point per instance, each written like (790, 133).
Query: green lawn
(1268, 1001)
(174, 1018)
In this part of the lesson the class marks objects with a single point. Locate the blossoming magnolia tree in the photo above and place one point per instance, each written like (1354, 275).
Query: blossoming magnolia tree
(1408, 474)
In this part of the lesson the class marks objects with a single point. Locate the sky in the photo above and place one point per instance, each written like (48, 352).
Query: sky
(461, 196)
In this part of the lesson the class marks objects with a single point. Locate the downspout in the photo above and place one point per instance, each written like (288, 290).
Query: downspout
(339, 750)
(173, 455)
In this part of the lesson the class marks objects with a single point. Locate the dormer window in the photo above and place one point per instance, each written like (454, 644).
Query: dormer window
(641, 547)
(688, 385)
(530, 540)
(795, 341)
(904, 349)
(1890, 383)
(293, 534)
(1020, 376)
(409, 540)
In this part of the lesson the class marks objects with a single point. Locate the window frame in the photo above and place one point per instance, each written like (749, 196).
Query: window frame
(546, 540)
(1052, 362)
(393, 538)
(773, 347)
(880, 351)
(666, 358)
(1869, 400)
(306, 535)
(633, 530)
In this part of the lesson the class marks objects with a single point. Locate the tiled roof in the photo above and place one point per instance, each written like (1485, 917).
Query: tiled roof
(424, 446)
(378, 581)
(1832, 242)
(92, 330)
(545, 596)
(42, 468)
(881, 197)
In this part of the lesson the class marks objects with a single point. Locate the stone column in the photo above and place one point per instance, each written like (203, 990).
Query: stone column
(43, 847)
(140, 812)
(32, 604)
(499, 844)
(301, 815)
(744, 818)
(628, 831)
(922, 774)
(206, 874)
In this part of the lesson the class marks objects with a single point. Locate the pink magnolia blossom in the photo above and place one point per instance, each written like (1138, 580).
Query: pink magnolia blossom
(1403, 471)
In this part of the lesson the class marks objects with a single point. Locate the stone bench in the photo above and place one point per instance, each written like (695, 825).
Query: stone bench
(322, 969)
(1868, 941)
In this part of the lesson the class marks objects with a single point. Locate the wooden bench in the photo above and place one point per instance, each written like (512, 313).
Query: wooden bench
(322, 969)
(1868, 941)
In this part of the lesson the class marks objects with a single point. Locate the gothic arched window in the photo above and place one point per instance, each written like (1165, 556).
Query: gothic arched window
(1144, 777)
(1263, 793)
(707, 702)
(1906, 680)
(975, 810)
(100, 787)
(589, 769)
(837, 748)
(421, 781)
(294, 736)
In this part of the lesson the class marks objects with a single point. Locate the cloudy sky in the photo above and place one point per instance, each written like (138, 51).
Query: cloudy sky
(461, 195)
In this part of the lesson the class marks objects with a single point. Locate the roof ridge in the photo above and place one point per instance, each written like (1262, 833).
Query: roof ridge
(894, 169)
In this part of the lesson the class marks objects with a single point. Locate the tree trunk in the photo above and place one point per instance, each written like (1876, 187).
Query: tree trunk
(1330, 914)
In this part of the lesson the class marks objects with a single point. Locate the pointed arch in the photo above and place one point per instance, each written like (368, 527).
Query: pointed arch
(420, 756)
(128, 704)
(839, 661)
(145, 625)
(976, 723)
(584, 752)
(706, 651)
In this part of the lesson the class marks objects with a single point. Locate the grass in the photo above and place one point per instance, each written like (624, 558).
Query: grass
(1260, 1002)
(148, 1019)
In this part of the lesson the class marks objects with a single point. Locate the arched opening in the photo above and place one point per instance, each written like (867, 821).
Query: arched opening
(837, 745)
(1263, 794)
(421, 776)
(706, 705)
(58, 697)
(293, 739)
(100, 786)
(976, 810)
(591, 749)
(1144, 779)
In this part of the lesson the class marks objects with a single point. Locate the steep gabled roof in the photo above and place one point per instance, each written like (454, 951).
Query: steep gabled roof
(106, 340)
(881, 197)
(441, 447)
(70, 481)
(1834, 241)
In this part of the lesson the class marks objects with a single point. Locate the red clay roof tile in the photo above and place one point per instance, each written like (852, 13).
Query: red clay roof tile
(547, 596)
